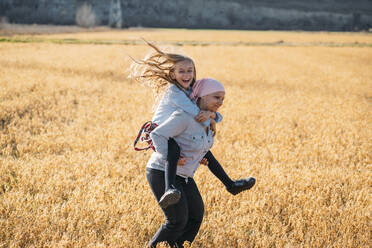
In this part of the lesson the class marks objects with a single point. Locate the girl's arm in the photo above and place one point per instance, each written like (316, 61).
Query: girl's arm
(172, 127)
(218, 117)
(180, 99)
(203, 115)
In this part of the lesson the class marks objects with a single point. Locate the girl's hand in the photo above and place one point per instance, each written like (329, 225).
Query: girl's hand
(204, 161)
(213, 115)
(213, 127)
(182, 161)
(203, 116)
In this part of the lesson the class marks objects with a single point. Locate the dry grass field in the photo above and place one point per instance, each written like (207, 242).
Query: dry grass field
(297, 117)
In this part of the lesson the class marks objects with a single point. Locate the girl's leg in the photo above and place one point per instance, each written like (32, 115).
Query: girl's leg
(171, 194)
(234, 187)
(195, 210)
(176, 215)
(171, 168)
(215, 167)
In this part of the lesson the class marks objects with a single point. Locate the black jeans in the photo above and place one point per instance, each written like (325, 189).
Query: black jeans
(184, 218)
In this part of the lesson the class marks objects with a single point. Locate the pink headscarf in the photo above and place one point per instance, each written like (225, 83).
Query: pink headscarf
(205, 87)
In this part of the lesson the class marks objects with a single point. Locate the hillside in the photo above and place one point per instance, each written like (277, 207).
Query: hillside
(329, 15)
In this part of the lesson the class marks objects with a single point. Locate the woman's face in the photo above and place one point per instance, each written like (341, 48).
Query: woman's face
(212, 102)
(183, 73)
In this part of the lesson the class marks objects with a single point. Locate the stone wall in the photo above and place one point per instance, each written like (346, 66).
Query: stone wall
(341, 15)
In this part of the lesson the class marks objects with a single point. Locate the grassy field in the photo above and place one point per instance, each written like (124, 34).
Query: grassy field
(297, 116)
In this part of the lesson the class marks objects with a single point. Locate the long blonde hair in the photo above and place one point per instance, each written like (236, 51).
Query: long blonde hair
(155, 69)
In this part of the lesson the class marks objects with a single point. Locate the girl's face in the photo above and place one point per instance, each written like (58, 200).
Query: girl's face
(212, 102)
(183, 73)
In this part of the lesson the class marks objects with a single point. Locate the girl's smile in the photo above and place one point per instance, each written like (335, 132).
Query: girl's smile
(184, 73)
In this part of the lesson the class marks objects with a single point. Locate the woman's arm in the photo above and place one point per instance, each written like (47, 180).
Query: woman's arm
(172, 127)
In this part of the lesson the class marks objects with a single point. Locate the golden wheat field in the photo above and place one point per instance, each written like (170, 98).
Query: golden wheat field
(297, 117)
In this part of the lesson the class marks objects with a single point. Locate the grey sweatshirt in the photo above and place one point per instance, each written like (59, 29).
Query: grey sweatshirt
(190, 136)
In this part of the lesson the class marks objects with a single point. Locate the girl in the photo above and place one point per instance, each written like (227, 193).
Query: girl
(159, 70)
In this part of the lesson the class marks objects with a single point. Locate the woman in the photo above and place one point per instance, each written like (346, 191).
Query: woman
(184, 218)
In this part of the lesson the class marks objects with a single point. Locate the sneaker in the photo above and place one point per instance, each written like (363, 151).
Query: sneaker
(170, 197)
(241, 185)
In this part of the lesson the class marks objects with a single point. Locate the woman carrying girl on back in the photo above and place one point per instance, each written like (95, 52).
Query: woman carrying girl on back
(160, 70)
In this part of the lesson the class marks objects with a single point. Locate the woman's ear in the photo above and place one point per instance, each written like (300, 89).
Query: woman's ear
(198, 101)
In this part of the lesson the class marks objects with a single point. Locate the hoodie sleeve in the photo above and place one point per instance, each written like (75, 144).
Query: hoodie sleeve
(218, 117)
(173, 126)
(180, 100)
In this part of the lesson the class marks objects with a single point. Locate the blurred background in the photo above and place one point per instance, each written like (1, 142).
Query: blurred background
(297, 116)
(316, 15)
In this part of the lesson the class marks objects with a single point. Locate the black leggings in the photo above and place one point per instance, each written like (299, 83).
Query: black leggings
(184, 218)
(171, 168)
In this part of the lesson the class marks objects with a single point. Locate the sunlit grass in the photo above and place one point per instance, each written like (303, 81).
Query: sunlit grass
(296, 118)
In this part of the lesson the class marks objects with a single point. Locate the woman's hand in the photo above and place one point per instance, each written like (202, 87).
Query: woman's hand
(213, 127)
(204, 161)
(182, 161)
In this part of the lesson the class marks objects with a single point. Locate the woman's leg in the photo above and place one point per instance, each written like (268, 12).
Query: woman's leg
(195, 209)
(176, 215)
(171, 194)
